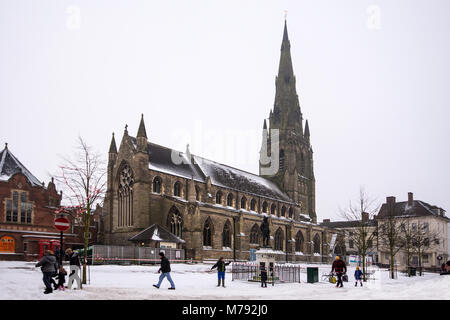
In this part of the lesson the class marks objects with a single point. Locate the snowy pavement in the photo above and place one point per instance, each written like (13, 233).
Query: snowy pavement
(21, 280)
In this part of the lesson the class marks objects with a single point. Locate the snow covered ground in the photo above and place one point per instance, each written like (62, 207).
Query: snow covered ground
(21, 280)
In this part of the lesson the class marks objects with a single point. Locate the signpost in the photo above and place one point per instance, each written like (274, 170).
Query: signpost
(62, 224)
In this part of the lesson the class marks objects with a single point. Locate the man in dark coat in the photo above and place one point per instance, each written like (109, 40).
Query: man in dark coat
(220, 265)
(48, 267)
(165, 272)
(263, 276)
(340, 268)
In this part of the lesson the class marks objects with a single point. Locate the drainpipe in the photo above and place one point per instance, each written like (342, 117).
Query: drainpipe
(234, 238)
(287, 255)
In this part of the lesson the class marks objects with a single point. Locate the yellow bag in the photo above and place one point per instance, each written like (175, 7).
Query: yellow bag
(333, 279)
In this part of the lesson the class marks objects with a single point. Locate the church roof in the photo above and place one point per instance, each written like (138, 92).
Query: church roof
(229, 177)
(156, 233)
(177, 163)
(10, 165)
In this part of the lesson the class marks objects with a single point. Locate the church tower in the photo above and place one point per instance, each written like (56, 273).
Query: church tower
(295, 174)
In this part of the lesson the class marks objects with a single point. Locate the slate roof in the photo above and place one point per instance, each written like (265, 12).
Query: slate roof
(165, 160)
(156, 233)
(10, 165)
(417, 209)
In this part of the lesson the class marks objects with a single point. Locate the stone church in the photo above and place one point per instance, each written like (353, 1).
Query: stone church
(216, 209)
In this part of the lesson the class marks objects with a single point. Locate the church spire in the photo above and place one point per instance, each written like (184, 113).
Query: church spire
(141, 131)
(112, 146)
(307, 129)
(285, 69)
(287, 113)
(141, 137)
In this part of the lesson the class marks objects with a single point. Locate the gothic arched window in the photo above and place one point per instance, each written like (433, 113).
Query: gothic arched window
(273, 209)
(316, 243)
(197, 193)
(278, 239)
(283, 211)
(157, 185)
(254, 235)
(299, 241)
(302, 162)
(175, 222)
(253, 205)
(207, 233)
(219, 197)
(226, 235)
(177, 189)
(243, 203)
(125, 197)
(230, 200)
(264, 207)
(291, 212)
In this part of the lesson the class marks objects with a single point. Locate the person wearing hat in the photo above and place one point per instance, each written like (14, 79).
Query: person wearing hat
(48, 267)
(74, 268)
(165, 272)
(340, 268)
(358, 276)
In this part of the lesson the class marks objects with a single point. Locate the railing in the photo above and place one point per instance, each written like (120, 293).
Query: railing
(251, 272)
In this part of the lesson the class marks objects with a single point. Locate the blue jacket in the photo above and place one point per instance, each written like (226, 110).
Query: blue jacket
(358, 274)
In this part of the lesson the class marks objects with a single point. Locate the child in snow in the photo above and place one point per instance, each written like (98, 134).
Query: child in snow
(220, 265)
(61, 277)
(263, 276)
(358, 276)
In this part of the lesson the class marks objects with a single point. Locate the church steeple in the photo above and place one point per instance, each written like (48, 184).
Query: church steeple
(292, 149)
(287, 113)
(285, 68)
(141, 137)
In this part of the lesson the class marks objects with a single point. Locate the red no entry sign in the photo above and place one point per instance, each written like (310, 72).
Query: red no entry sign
(62, 224)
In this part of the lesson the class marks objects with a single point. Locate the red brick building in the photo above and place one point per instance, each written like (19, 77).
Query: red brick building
(27, 212)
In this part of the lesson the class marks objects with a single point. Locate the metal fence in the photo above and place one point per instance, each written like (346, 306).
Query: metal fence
(102, 254)
(251, 272)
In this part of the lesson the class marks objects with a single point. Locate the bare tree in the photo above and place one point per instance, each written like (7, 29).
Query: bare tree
(363, 231)
(83, 177)
(422, 239)
(390, 235)
(407, 243)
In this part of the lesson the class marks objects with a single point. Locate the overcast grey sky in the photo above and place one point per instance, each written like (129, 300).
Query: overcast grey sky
(372, 79)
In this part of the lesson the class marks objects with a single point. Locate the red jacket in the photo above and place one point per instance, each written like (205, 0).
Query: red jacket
(339, 266)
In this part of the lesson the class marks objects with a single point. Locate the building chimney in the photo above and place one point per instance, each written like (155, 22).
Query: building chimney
(390, 200)
(326, 220)
(410, 199)
(365, 217)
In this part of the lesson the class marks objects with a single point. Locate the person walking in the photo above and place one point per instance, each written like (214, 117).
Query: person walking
(48, 267)
(340, 268)
(165, 272)
(74, 268)
(358, 276)
(220, 265)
